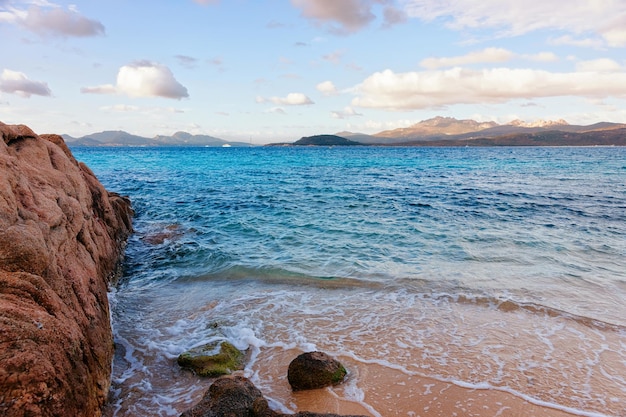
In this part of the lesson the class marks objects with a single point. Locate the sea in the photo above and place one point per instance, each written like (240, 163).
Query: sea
(448, 281)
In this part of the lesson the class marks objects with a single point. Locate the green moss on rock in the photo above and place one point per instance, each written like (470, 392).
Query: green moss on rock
(313, 370)
(213, 359)
(339, 375)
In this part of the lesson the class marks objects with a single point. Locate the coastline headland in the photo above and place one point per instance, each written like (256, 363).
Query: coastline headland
(62, 236)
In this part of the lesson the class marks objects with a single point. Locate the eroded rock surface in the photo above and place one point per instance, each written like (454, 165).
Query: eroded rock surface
(61, 238)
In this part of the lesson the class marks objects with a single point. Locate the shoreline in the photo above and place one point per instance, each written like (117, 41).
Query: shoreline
(391, 370)
(412, 394)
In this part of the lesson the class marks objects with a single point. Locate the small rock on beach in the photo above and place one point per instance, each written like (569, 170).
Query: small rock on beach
(312, 370)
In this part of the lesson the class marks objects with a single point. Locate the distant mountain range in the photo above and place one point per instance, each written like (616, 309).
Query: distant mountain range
(463, 132)
(448, 131)
(438, 131)
(121, 138)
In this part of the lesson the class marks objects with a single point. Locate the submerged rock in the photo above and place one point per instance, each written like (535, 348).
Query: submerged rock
(236, 396)
(170, 232)
(314, 370)
(213, 359)
(61, 239)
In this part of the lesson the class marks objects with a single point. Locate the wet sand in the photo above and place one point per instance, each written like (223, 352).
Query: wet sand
(382, 391)
(407, 354)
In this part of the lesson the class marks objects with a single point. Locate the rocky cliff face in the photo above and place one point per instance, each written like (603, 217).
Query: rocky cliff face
(61, 238)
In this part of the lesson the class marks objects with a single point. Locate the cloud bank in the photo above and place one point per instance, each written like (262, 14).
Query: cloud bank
(13, 82)
(603, 18)
(436, 89)
(143, 79)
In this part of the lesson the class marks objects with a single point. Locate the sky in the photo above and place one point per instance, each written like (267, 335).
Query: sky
(276, 70)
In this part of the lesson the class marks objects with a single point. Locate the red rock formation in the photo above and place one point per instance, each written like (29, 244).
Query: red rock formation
(61, 238)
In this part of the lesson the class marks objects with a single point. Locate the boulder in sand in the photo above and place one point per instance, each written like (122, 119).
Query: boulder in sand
(236, 396)
(312, 370)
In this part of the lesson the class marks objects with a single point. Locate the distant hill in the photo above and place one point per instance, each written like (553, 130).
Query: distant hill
(448, 131)
(187, 139)
(115, 137)
(326, 140)
(360, 137)
(121, 138)
(84, 141)
(603, 137)
(437, 126)
(539, 123)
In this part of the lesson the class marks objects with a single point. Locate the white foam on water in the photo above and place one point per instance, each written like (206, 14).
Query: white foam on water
(356, 395)
(243, 337)
(277, 405)
(549, 360)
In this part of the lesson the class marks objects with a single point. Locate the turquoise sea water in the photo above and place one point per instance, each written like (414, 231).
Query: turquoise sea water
(494, 268)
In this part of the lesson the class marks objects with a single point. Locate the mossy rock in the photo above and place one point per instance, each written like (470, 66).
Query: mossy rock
(213, 359)
(315, 370)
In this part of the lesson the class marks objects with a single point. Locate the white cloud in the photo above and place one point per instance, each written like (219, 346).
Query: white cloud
(488, 55)
(349, 15)
(435, 89)
(292, 99)
(327, 88)
(13, 82)
(615, 32)
(345, 113)
(143, 79)
(606, 18)
(48, 19)
(599, 65)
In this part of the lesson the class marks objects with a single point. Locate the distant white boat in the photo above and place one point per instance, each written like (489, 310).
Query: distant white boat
(226, 145)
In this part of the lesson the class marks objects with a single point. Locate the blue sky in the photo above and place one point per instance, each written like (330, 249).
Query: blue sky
(275, 70)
